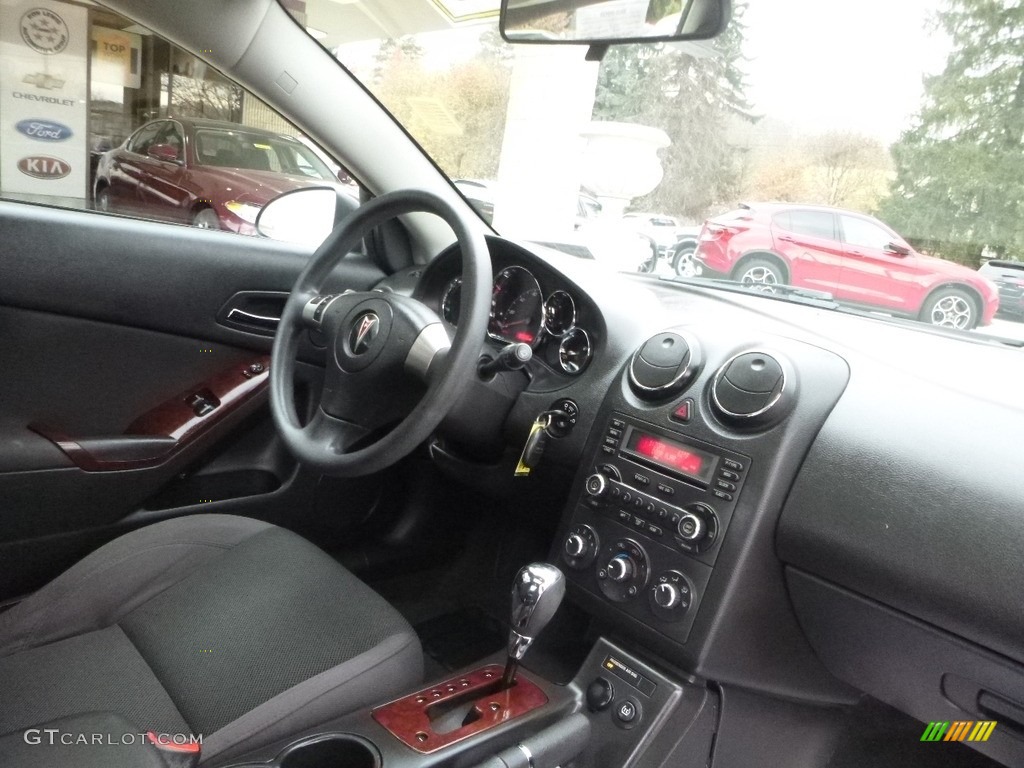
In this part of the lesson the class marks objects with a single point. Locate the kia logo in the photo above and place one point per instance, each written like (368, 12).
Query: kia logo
(364, 331)
(44, 167)
(43, 130)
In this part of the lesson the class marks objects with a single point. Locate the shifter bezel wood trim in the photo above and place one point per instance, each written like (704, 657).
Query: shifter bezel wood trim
(409, 720)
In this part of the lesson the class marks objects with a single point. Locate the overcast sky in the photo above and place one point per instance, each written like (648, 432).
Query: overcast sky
(823, 65)
(818, 65)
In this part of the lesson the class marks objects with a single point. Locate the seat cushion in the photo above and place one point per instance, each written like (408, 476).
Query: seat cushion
(230, 628)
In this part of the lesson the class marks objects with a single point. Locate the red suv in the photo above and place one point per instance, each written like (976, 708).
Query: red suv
(856, 258)
(208, 173)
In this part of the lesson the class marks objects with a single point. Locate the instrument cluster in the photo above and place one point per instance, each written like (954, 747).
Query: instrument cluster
(521, 312)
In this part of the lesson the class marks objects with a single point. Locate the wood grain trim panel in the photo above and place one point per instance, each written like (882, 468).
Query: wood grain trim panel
(410, 719)
(161, 434)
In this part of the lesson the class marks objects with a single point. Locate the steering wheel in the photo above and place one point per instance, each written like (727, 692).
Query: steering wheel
(382, 349)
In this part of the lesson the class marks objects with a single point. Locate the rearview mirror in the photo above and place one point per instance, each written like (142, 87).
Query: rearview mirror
(304, 216)
(899, 250)
(607, 22)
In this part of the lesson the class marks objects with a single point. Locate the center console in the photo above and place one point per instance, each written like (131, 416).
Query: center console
(649, 520)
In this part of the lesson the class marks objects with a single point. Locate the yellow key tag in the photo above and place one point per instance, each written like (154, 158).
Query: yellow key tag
(539, 425)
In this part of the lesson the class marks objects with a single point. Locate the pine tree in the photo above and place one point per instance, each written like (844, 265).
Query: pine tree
(692, 98)
(959, 183)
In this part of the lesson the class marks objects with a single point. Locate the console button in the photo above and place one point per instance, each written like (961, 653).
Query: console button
(608, 449)
(641, 479)
(600, 693)
(611, 442)
(723, 495)
(725, 486)
(618, 423)
(627, 713)
(654, 530)
(726, 474)
(735, 466)
(616, 433)
(683, 411)
(666, 490)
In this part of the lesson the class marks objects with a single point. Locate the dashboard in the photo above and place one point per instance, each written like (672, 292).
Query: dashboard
(530, 304)
(767, 494)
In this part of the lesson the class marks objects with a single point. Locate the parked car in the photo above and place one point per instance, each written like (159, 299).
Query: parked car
(662, 229)
(1009, 279)
(209, 173)
(856, 258)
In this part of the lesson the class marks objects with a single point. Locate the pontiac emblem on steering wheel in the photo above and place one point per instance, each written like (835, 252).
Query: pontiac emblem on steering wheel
(364, 332)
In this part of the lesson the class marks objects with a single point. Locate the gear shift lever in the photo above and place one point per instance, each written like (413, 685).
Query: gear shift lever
(536, 595)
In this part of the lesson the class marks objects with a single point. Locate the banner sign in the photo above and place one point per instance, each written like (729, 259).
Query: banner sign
(43, 98)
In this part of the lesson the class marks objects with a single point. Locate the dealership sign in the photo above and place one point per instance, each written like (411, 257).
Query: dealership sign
(44, 130)
(44, 167)
(44, 96)
(44, 31)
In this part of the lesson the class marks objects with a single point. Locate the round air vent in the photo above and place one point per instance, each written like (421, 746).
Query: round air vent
(747, 388)
(664, 365)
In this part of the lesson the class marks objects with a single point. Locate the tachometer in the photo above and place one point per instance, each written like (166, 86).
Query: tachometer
(559, 313)
(517, 309)
(451, 301)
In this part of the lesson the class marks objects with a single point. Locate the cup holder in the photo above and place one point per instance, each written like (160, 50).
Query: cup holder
(331, 750)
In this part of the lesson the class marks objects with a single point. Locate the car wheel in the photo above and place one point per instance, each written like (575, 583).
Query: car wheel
(206, 218)
(682, 261)
(103, 200)
(950, 308)
(761, 274)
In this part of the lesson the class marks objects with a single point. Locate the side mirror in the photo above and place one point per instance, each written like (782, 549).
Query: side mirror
(611, 22)
(165, 152)
(304, 216)
(899, 250)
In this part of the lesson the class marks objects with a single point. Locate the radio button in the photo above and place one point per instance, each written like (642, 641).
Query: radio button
(638, 502)
(611, 441)
(616, 433)
(662, 513)
(725, 486)
(641, 479)
(725, 474)
(608, 449)
(618, 423)
(691, 527)
(723, 495)
(666, 490)
(625, 517)
(649, 508)
(626, 497)
(655, 530)
(735, 466)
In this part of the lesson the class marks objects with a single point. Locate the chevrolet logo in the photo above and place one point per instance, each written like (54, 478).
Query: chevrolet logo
(364, 332)
(44, 81)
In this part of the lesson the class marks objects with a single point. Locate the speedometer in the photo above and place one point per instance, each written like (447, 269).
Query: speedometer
(451, 301)
(517, 308)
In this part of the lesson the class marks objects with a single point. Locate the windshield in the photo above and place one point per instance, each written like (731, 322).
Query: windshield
(871, 151)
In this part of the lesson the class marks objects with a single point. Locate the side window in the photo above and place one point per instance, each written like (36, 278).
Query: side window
(84, 114)
(864, 233)
(812, 223)
(141, 141)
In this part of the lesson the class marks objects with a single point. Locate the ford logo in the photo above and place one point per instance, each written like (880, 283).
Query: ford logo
(44, 167)
(44, 130)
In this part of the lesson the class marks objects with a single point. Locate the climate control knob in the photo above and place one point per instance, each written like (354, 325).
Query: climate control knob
(575, 545)
(596, 485)
(667, 596)
(621, 568)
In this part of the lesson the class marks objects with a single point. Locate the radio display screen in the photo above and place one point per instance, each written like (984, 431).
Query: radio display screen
(679, 458)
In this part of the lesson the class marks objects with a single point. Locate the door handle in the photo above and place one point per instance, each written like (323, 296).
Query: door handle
(250, 318)
(786, 239)
(253, 311)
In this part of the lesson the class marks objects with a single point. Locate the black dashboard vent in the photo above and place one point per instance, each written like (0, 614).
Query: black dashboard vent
(747, 388)
(664, 365)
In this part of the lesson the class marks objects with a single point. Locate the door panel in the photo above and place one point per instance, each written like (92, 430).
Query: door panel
(874, 275)
(808, 242)
(107, 325)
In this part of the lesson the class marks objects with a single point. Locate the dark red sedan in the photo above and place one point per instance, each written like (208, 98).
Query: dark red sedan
(208, 173)
(856, 258)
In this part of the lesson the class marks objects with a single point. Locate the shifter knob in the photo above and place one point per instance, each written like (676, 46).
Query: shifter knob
(536, 595)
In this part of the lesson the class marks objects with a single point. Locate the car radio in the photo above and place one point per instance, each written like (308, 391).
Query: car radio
(650, 519)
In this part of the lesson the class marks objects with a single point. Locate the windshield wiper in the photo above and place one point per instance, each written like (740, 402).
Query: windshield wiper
(809, 296)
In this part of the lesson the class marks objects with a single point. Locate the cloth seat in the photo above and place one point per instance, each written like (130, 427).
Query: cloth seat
(212, 625)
